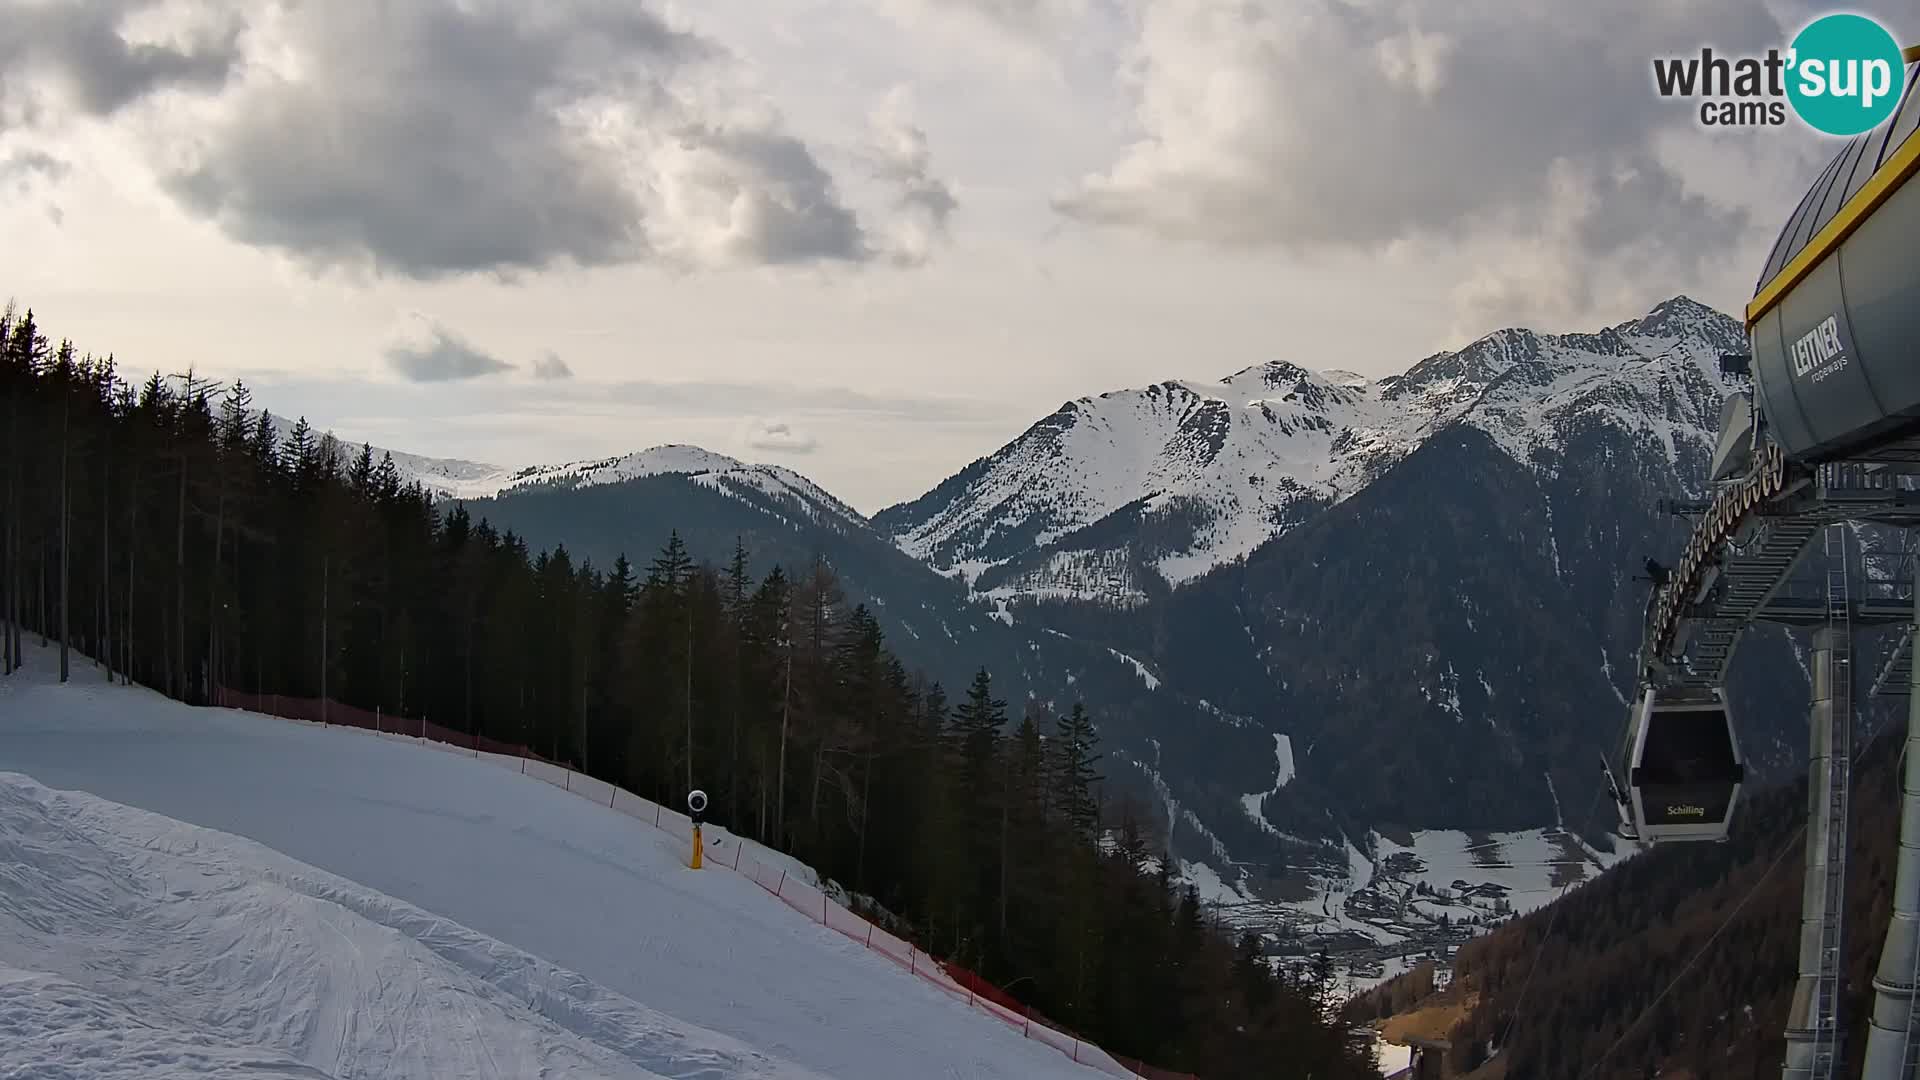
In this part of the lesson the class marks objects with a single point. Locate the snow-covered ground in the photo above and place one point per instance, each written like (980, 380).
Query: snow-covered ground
(1392, 1057)
(1140, 669)
(1522, 863)
(1393, 905)
(130, 942)
(481, 923)
(1255, 803)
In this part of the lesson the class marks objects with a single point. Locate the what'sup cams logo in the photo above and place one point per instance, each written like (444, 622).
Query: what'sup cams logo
(1842, 75)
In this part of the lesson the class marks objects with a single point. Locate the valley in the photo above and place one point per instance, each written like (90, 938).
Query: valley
(1232, 575)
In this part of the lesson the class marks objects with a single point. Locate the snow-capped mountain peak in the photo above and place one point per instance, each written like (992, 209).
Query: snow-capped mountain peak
(670, 459)
(1673, 318)
(701, 466)
(1278, 381)
(1272, 375)
(457, 479)
(1183, 475)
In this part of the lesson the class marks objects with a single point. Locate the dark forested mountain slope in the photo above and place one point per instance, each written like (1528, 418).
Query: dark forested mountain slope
(1455, 643)
(1448, 640)
(1620, 942)
(926, 615)
(1179, 754)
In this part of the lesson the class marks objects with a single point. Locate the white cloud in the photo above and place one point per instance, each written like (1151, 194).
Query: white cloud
(1311, 125)
(903, 162)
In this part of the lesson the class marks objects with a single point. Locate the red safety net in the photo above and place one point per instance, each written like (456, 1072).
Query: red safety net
(328, 711)
(728, 852)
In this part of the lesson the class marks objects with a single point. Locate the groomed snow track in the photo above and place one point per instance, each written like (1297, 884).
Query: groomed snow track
(596, 901)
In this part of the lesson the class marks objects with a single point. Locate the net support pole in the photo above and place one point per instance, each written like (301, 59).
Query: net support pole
(1892, 1043)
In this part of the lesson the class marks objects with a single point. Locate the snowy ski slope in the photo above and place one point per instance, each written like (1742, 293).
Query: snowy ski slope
(583, 945)
(130, 942)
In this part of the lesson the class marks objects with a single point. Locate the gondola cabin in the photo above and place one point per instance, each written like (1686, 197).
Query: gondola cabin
(1684, 771)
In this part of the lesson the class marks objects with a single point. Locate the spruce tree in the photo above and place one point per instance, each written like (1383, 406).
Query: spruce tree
(977, 724)
(1075, 761)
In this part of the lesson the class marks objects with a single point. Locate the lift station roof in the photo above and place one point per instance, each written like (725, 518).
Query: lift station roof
(1835, 319)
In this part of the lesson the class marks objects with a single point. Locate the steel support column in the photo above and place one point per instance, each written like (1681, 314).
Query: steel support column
(1892, 1042)
(1808, 1045)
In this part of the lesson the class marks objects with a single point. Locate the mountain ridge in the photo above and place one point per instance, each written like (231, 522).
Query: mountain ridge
(1211, 471)
(1308, 392)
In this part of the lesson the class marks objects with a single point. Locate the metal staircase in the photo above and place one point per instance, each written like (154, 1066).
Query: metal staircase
(1896, 675)
(1896, 678)
(1749, 571)
(1747, 579)
(1738, 569)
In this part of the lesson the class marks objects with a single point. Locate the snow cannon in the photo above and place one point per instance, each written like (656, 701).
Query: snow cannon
(696, 806)
(1834, 324)
(1683, 767)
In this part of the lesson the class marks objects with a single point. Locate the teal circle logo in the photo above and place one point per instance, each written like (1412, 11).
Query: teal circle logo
(1845, 75)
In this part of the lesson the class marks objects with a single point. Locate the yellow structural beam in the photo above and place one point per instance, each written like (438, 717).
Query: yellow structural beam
(1893, 173)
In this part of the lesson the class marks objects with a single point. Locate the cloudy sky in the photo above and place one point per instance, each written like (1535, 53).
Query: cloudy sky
(870, 239)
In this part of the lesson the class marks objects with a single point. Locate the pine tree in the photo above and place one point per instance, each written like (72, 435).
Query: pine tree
(1075, 742)
(299, 455)
(735, 595)
(386, 479)
(263, 442)
(360, 476)
(977, 724)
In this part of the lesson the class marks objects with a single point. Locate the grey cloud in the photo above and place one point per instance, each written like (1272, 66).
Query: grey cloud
(442, 150)
(437, 138)
(792, 212)
(81, 45)
(1029, 17)
(1352, 126)
(779, 436)
(28, 161)
(925, 202)
(433, 138)
(28, 169)
(551, 366)
(444, 357)
(931, 196)
(26, 166)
